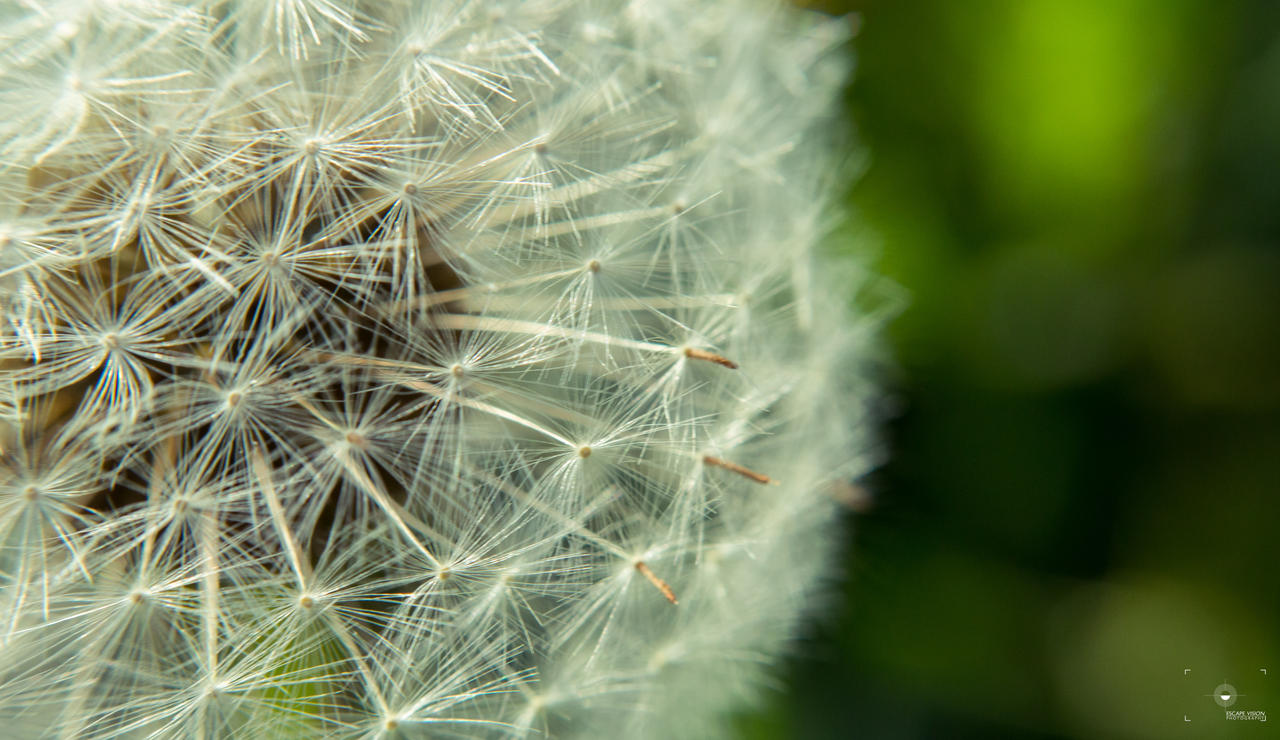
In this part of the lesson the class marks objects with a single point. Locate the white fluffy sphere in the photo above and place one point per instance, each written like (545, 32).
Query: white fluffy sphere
(414, 369)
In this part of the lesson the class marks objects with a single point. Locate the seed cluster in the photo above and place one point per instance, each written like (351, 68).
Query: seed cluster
(413, 369)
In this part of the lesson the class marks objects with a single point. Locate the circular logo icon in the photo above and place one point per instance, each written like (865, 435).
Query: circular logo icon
(1225, 695)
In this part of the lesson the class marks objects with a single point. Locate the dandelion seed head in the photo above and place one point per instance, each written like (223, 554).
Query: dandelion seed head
(416, 369)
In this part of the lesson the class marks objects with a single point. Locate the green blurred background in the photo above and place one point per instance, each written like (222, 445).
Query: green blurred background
(1082, 200)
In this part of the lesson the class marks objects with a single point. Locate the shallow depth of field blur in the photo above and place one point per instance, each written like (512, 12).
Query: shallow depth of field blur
(1081, 199)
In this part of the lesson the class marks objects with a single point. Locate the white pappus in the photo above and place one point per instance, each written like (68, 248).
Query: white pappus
(415, 369)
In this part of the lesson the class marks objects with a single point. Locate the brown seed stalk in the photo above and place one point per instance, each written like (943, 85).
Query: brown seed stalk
(657, 582)
(853, 496)
(740, 470)
(702, 354)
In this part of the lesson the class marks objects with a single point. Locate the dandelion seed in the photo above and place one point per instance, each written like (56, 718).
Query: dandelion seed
(657, 582)
(739, 469)
(702, 354)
